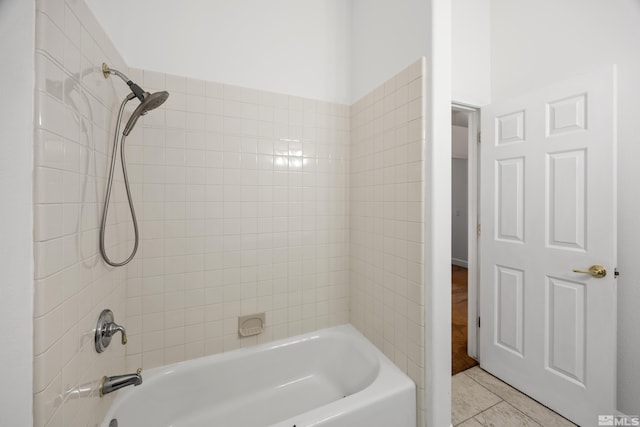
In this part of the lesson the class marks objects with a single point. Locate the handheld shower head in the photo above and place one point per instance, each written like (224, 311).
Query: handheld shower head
(148, 101)
(151, 101)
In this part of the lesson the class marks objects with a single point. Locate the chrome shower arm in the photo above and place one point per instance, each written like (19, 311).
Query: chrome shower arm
(107, 71)
(137, 90)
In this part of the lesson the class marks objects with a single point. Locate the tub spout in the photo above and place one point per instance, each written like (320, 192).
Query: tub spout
(110, 384)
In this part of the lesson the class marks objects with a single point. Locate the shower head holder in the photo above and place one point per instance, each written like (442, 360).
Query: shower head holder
(137, 90)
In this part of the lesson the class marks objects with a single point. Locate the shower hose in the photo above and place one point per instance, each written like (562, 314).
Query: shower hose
(103, 223)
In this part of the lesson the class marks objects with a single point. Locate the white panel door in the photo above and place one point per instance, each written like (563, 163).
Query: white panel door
(548, 199)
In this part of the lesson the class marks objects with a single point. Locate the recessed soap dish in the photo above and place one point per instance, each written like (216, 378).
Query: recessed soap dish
(251, 324)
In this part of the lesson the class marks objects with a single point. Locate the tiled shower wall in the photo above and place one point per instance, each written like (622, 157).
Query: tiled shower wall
(243, 201)
(74, 112)
(387, 199)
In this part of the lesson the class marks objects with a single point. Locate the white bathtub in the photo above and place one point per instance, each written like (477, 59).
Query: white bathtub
(331, 378)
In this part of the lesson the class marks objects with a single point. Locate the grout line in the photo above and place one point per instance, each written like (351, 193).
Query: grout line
(477, 413)
(484, 410)
(474, 380)
(519, 392)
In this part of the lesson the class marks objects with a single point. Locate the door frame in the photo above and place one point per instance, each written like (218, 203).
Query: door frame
(473, 220)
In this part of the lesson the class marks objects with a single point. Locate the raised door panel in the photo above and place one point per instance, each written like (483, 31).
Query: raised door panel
(565, 332)
(510, 128)
(567, 115)
(566, 200)
(509, 192)
(509, 309)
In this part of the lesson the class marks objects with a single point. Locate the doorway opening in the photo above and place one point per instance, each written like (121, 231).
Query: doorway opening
(464, 220)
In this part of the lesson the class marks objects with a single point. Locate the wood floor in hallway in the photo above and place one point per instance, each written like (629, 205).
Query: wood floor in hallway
(460, 361)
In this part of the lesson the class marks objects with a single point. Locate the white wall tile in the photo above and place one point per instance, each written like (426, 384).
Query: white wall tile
(72, 111)
(152, 79)
(50, 37)
(387, 221)
(210, 187)
(175, 83)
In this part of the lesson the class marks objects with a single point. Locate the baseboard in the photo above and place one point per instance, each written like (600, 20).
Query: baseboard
(460, 262)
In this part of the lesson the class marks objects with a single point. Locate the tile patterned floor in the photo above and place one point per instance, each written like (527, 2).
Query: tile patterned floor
(480, 399)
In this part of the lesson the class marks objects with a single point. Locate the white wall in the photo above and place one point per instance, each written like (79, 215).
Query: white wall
(459, 212)
(17, 26)
(312, 49)
(438, 215)
(537, 42)
(459, 142)
(471, 53)
(289, 46)
(386, 37)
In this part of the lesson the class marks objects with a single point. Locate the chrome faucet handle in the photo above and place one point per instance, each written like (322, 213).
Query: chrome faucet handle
(113, 328)
(107, 328)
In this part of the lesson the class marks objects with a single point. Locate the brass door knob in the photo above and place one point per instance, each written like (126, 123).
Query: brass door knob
(596, 271)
